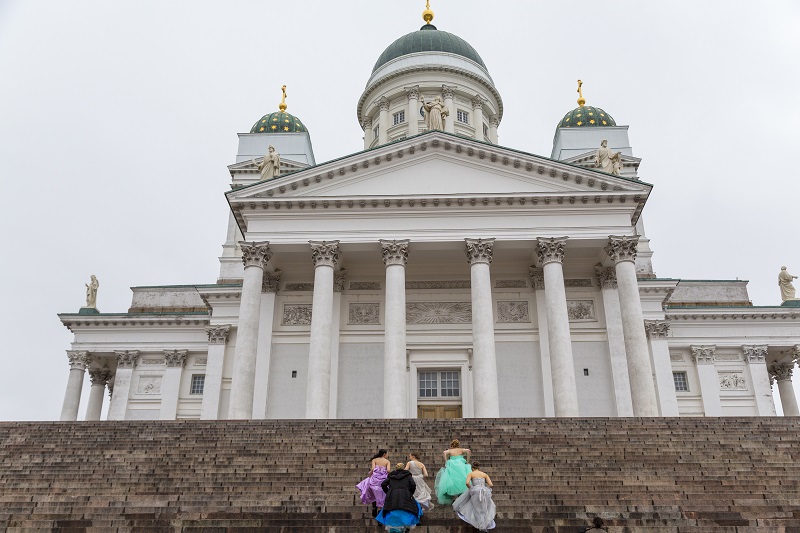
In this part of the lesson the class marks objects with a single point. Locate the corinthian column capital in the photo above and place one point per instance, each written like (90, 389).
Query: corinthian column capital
(255, 254)
(606, 276)
(622, 248)
(175, 358)
(703, 355)
(537, 277)
(126, 358)
(339, 280)
(394, 252)
(551, 250)
(99, 377)
(447, 91)
(218, 334)
(384, 103)
(656, 329)
(755, 354)
(79, 359)
(270, 281)
(480, 250)
(780, 371)
(324, 253)
(477, 102)
(412, 92)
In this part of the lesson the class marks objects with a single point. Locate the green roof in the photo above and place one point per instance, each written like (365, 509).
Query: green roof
(278, 122)
(586, 116)
(428, 39)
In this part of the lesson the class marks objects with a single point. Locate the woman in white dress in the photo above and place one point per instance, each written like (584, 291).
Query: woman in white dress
(476, 507)
(419, 473)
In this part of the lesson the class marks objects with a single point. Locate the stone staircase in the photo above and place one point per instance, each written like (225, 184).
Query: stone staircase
(551, 475)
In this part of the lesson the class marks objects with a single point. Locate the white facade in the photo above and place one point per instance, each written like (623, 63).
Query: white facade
(435, 274)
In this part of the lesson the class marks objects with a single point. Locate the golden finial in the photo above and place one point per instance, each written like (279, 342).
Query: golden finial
(282, 105)
(581, 100)
(427, 15)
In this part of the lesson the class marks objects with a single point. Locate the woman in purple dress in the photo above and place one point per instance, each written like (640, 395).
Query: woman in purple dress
(370, 487)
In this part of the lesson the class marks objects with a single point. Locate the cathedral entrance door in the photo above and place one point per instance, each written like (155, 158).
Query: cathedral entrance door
(439, 393)
(439, 411)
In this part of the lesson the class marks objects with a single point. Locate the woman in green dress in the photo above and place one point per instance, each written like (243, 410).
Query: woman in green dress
(451, 480)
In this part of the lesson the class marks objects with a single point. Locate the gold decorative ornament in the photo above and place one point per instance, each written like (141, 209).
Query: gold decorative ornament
(581, 99)
(427, 15)
(282, 105)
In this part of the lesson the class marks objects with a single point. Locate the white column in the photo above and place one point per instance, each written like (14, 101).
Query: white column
(537, 281)
(622, 251)
(413, 110)
(78, 361)
(477, 114)
(550, 253)
(450, 120)
(657, 331)
(493, 123)
(616, 341)
(269, 289)
(254, 256)
(339, 282)
(756, 359)
(484, 361)
(368, 138)
(126, 362)
(325, 255)
(171, 383)
(395, 390)
(99, 379)
(782, 373)
(212, 386)
(709, 379)
(384, 121)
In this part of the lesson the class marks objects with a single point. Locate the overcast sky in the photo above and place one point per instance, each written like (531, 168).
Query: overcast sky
(118, 119)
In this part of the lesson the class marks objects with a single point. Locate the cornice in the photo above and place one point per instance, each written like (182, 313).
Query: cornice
(696, 314)
(72, 321)
(212, 293)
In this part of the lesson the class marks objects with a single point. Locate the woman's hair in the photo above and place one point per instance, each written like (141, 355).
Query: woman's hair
(399, 466)
(476, 465)
(380, 453)
(415, 455)
(454, 443)
(597, 522)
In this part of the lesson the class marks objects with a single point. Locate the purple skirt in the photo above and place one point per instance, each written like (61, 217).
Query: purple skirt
(370, 487)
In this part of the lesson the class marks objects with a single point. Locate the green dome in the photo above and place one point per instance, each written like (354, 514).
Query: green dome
(428, 39)
(586, 117)
(278, 122)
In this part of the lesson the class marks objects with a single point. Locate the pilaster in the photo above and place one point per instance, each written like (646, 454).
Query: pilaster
(756, 359)
(126, 362)
(212, 388)
(657, 332)
(703, 357)
(269, 290)
(171, 383)
(537, 282)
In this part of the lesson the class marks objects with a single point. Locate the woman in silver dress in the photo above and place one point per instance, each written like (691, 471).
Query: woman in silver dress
(475, 507)
(419, 473)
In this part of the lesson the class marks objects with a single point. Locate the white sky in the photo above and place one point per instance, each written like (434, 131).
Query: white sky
(118, 119)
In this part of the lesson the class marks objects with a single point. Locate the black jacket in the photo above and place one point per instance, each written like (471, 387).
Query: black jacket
(399, 488)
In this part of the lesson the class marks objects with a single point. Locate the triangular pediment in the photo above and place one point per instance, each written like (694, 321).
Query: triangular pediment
(250, 166)
(439, 164)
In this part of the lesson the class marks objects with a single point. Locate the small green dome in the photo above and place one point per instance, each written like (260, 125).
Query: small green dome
(586, 117)
(428, 39)
(278, 122)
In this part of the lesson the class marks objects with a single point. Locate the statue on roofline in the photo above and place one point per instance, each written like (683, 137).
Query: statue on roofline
(608, 161)
(91, 292)
(785, 283)
(270, 166)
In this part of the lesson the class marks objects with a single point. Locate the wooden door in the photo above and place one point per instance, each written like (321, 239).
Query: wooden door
(439, 411)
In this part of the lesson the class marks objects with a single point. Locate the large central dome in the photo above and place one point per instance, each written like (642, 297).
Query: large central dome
(429, 39)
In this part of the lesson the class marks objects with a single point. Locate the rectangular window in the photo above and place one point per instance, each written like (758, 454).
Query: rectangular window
(440, 384)
(198, 383)
(681, 384)
(462, 116)
(398, 118)
(377, 131)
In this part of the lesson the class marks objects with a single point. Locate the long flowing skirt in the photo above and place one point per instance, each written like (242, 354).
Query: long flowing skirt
(399, 519)
(476, 507)
(423, 492)
(451, 480)
(370, 487)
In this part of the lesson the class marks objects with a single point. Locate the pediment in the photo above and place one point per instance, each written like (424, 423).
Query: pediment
(250, 167)
(439, 164)
(630, 164)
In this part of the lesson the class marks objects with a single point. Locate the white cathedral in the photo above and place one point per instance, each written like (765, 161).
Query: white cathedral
(435, 274)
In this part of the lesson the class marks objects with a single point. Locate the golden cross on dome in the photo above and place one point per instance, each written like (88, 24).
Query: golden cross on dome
(427, 15)
(282, 105)
(581, 100)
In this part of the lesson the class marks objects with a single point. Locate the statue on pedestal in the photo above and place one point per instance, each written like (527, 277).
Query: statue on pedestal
(91, 292)
(270, 167)
(608, 161)
(785, 283)
(435, 112)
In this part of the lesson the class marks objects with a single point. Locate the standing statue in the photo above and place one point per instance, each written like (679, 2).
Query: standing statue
(608, 161)
(785, 283)
(270, 166)
(435, 112)
(91, 293)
